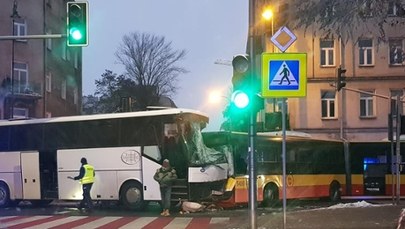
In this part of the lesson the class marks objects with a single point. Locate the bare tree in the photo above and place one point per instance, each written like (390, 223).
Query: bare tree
(151, 63)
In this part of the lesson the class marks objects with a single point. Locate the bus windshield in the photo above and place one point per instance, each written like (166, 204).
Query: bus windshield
(199, 153)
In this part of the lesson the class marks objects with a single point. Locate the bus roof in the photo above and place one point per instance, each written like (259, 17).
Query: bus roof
(288, 133)
(274, 135)
(157, 112)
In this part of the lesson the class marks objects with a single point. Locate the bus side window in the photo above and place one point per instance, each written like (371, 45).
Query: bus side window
(152, 144)
(152, 152)
(4, 138)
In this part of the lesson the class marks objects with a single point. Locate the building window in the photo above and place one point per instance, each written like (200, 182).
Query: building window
(396, 51)
(76, 60)
(48, 82)
(395, 9)
(328, 104)
(20, 77)
(366, 9)
(367, 104)
(68, 53)
(49, 41)
(75, 96)
(327, 53)
(20, 113)
(276, 104)
(394, 94)
(63, 89)
(20, 29)
(64, 50)
(366, 52)
(330, 10)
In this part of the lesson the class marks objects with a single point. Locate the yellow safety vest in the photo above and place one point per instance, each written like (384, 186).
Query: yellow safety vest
(88, 174)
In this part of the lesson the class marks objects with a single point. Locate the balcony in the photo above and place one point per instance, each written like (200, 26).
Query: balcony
(22, 90)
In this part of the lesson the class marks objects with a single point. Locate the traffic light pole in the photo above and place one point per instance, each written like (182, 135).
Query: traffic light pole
(252, 204)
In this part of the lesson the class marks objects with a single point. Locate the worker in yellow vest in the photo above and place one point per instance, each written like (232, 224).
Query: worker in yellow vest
(86, 177)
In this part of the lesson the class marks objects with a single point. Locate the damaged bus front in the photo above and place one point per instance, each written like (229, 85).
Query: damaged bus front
(207, 171)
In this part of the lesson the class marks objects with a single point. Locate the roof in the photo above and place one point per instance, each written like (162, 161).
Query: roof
(149, 113)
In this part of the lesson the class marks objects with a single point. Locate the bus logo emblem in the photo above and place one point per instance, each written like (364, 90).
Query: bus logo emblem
(130, 157)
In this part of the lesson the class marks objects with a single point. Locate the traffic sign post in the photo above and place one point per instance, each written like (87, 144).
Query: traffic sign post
(284, 75)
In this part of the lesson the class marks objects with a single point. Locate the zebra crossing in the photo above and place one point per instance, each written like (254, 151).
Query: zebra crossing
(108, 222)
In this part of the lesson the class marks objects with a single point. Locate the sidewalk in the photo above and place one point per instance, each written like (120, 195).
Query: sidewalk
(372, 216)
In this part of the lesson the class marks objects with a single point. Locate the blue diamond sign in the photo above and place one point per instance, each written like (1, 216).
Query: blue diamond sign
(284, 75)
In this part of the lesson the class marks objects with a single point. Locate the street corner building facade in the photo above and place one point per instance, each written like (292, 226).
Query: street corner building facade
(374, 72)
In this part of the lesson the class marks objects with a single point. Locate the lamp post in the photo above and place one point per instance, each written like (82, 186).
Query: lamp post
(14, 16)
(268, 15)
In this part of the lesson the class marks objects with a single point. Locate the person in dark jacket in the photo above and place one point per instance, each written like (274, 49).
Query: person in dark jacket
(86, 177)
(165, 176)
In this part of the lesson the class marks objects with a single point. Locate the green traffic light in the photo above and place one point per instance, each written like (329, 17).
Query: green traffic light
(77, 23)
(76, 33)
(240, 99)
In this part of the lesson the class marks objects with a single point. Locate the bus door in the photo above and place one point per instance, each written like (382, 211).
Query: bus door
(151, 189)
(374, 176)
(30, 175)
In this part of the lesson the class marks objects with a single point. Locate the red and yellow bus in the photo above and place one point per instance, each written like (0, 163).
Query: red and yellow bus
(372, 170)
(315, 168)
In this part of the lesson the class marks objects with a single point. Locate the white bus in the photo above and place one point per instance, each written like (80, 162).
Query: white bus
(37, 156)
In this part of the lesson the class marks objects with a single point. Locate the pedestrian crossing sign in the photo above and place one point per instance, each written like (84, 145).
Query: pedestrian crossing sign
(284, 75)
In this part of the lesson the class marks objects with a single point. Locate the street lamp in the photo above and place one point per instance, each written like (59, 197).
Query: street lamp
(215, 97)
(14, 16)
(268, 15)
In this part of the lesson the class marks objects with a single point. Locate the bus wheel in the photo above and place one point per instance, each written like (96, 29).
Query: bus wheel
(4, 195)
(270, 195)
(131, 196)
(334, 192)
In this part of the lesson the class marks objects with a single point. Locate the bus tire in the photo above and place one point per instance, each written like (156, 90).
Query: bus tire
(4, 195)
(334, 191)
(131, 196)
(270, 195)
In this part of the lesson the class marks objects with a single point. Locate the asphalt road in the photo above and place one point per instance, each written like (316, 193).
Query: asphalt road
(378, 215)
(299, 214)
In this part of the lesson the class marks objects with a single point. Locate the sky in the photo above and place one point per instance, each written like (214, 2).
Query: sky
(209, 30)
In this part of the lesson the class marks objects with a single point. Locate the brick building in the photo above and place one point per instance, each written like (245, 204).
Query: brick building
(46, 80)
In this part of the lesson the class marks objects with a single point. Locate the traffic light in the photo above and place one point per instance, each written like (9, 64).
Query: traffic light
(241, 67)
(240, 99)
(341, 78)
(77, 24)
(245, 93)
(240, 80)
